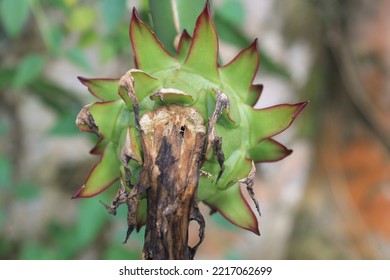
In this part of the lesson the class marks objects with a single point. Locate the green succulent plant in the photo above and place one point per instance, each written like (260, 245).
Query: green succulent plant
(237, 134)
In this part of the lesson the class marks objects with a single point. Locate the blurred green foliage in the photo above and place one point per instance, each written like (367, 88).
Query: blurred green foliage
(46, 30)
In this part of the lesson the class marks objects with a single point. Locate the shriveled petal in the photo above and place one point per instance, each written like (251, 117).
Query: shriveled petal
(104, 89)
(233, 206)
(144, 85)
(102, 176)
(149, 54)
(268, 150)
(241, 71)
(203, 54)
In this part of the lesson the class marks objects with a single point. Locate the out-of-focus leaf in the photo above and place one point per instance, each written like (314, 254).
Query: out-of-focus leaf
(28, 70)
(35, 251)
(26, 191)
(59, 99)
(78, 57)
(107, 51)
(13, 15)
(229, 32)
(67, 242)
(6, 76)
(117, 252)
(64, 125)
(112, 12)
(163, 13)
(5, 172)
(3, 128)
(232, 11)
(88, 38)
(91, 218)
(82, 19)
(54, 37)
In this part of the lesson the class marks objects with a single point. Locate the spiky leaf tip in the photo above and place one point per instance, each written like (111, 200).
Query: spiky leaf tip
(240, 72)
(233, 206)
(104, 89)
(102, 176)
(149, 53)
(202, 56)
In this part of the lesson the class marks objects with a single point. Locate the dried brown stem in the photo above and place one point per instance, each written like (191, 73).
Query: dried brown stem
(173, 142)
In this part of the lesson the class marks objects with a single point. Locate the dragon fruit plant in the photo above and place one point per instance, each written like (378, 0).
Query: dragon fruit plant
(178, 130)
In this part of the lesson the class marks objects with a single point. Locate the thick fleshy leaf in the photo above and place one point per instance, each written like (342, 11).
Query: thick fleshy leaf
(104, 89)
(236, 167)
(203, 54)
(254, 95)
(270, 121)
(184, 46)
(233, 206)
(101, 144)
(268, 150)
(149, 54)
(240, 72)
(103, 174)
(110, 118)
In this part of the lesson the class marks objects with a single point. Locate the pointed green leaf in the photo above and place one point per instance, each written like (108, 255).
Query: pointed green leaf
(150, 55)
(28, 70)
(254, 94)
(102, 176)
(79, 57)
(110, 118)
(103, 89)
(13, 15)
(203, 54)
(270, 121)
(233, 206)
(241, 71)
(113, 13)
(268, 150)
(99, 147)
(184, 46)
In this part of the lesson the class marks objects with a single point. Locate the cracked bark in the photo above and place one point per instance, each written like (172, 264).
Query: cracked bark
(173, 142)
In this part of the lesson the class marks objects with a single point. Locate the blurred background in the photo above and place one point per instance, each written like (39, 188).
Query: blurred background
(329, 200)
